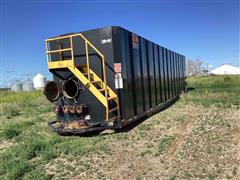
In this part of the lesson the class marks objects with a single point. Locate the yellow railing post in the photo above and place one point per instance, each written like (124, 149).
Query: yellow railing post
(105, 85)
(47, 50)
(87, 59)
(72, 53)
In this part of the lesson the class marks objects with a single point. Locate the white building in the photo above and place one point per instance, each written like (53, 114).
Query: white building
(226, 69)
(16, 86)
(39, 82)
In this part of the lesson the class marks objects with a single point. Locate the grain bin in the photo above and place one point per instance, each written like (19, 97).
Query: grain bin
(28, 85)
(16, 86)
(39, 82)
(109, 77)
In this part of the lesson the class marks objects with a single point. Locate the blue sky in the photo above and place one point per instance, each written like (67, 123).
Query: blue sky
(208, 30)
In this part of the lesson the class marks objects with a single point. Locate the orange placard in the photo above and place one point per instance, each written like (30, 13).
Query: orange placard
(134, 38)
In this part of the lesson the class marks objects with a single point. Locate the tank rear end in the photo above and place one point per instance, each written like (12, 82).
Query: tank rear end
(83, 90)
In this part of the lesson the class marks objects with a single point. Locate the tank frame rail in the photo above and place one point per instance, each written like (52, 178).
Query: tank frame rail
(83, 131)
(109, 94)
(117, 127)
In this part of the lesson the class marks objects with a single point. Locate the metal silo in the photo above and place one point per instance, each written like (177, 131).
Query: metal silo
(39, 82)
(28, 85)
(16, 86)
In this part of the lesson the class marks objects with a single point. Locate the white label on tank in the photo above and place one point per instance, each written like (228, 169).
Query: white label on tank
(118, 81)
(104, 41)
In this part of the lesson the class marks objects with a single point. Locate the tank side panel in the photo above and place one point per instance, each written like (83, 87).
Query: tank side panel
(151, 73)
(183, 71)
(169, 73)
(127, 76)
(119, 54)
(136, 72)
(177, 72)
(179, 76)
(148, 74)
(162, 71)
(142, 56)
(157, 86)
(174, 74)
(166, 73)
(160, 75)
(181, 67)
(146, 77)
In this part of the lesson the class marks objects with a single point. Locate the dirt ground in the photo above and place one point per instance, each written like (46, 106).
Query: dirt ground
(191, 142)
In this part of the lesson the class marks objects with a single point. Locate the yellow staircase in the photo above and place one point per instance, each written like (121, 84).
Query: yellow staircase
(95, 84)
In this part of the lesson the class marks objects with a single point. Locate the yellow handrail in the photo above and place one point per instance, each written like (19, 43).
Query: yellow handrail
(59, 50)
(73, 35)
(87, 57)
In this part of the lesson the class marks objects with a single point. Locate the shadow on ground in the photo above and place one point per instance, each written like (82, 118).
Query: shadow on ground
(141, 120)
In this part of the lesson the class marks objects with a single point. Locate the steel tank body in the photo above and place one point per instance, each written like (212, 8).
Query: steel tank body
(144, 75)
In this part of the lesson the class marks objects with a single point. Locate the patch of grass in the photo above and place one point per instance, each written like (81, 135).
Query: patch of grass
(146, 152)
(12, 130)
(81, 146)
(36, 174)
(33, 148)
(10, 110)
(234, 172)
(187, 175)
(12, 103)
(172, 178)
(221, 91)
(138, 178)
(145, 127)
(164, 143)
(19, 97)
(45, 109)
(13, 168)
(37, 150)
(180, 119)
(212, 176)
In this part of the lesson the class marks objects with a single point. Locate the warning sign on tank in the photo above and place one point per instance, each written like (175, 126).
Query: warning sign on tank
(118, 75)
(117, 67)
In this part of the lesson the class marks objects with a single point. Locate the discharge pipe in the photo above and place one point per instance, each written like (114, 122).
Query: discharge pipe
(70, 89)
(51, 91)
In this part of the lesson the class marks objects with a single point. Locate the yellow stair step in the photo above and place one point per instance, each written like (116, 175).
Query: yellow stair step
(101, 90)
(86, 74)
(96, 82)
(113, 109)
(110, 98)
